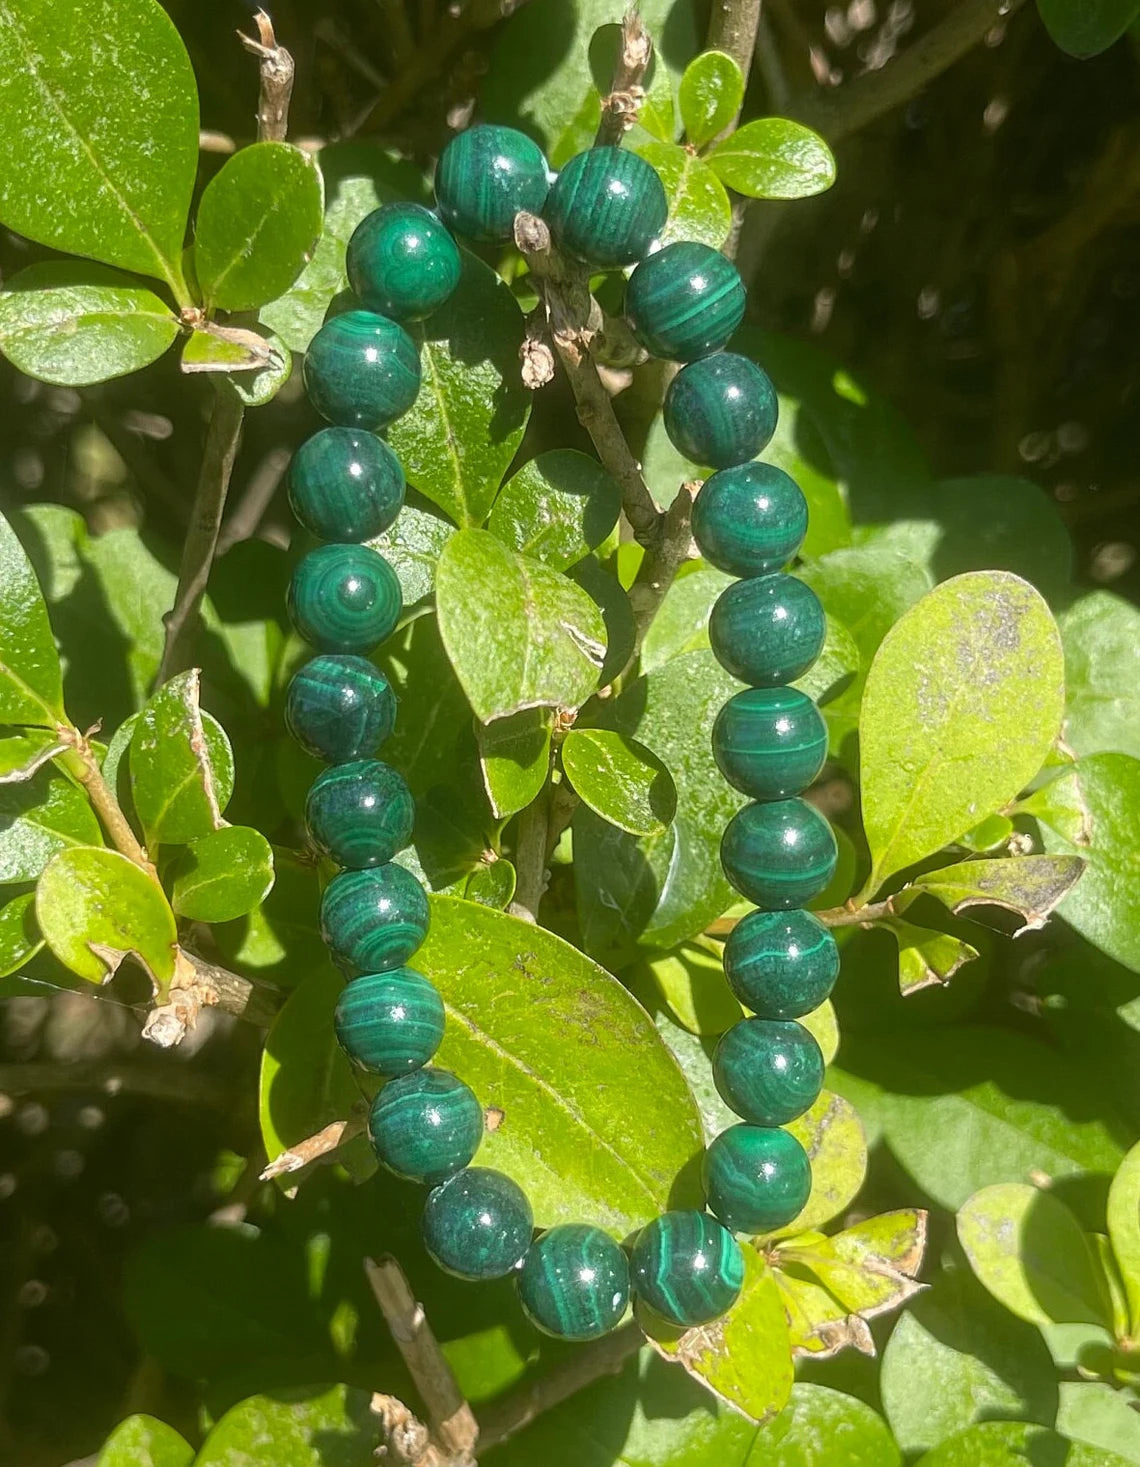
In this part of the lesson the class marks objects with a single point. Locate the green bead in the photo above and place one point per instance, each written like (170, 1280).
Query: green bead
(768, 1070)
(687, 1267)
(402, 261)
(360, 814)
(345, 598)
(721, 411)
(575, 1282)
(781, 965)
(685, 301)
(426, 1125)
(345, 485)
(750, 520)
(390, 1023)
(757, 1179)
(780, 854)
(374, 920)
(607, 206)
(767, 631)
(485, 177)
(770, 742)
(340, 707)
(362, 370)
(478, 1224)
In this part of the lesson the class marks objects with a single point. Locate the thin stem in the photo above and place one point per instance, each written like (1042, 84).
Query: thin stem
(732, 28)
(621, 106)
(183, 1085)
(662, 561)
(856, 913)
(276, 72)
(79, 760)
(530, 856)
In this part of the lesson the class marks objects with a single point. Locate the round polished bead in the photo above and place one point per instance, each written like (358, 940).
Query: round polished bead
(390, 1023)
(478, 1224)
(769, 1071)
(607, 206)
(345, 484)
(750, 519)
(770, 742)
(767, 631)
(779, 854)
(426, 1125)
(781, 965)
(344, 598)
(575, 1282)
(362, 370)
(485, 177)
(685, 301)
(402, 261)
(721, 411)
(340, 707)
(360, 814)
(374, 920)
(757, 1179)
(687, 1267)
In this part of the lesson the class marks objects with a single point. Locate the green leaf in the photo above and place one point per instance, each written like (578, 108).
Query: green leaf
(22, 754)
(182, 766)
(682, 620)
(1031, 886)
(1000, 522)
(712, 90)
(514, 753)
(95, 907)
(698, 205)
(298, 1427)
(257, 387)
(518, 634)
(812, 1426)
(926, 956)
(1100, 633)
(606, 592)
(74, 324)
(963, 702)
(412, 548)
(774, 158)
(1124, 1228)
(19, 936)
(222, 875)
(31, 687)
(557, 508)
(222, 349)
(692, 982)
(1013, 1444)
(492, 884)
(101, 156)
(40, 817)
(832, 1135)
(141, 1441)
(1094, 1413)
(620, 780)
(1086, 27)
(869, 1268)
(456, 442)
(433, 732)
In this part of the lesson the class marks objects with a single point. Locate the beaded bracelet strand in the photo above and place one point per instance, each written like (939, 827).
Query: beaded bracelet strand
(606, 208)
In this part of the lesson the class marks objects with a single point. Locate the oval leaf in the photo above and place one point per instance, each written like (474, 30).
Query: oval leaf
(299, 1427)
(412, 548)
(31, 687)
(182, 766)
(222, 875)
(19, 936)
(773, 158)
(557, 507)
(620, 780)
(1031, 886)
(40, 817)
(1124, 1228)
(1101, 636)
(141, 1441)
(94, 907)
(1086, 27)
(514, 753)
(1013, 1444)
(816, 1423)
(698, 205)
(712, 90)
(832, 1135)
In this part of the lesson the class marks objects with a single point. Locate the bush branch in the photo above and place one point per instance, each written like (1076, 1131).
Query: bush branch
(79, 760)
(732, 28)
(530, 856)
(662, 561)
(627, 92)
(324, 1144)
(276, 80)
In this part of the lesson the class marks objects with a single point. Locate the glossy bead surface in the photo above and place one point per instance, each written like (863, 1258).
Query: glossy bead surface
(757, 1179)
(779, 854)
(687, 1267)
(485, 177)
(721, 411)
(575, 1282)
(767, 631)
(362, 370)
(374, 920)
(340, 707)
(781, 965)
(770, 742)
(344, 598)
(684, 301)
(769, 1071)
(402, 261)
(607, 206)
(426, 1125)
(478, 1224)
(360, 814)
(390, 1023)
(345, 485)
(750, 519)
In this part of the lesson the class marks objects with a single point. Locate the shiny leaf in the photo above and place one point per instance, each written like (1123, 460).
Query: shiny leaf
(31, 688)
(514, 753)
(620, 780)
(19, 936)
(557, 508)
(182, 766)
(1031, 886)
(141, 1441)
(698, 205)
(222, 875)
(1100, 633)
(773, 158)
(299, 1427)
(926, 956)
(40, 817)
(712, 90)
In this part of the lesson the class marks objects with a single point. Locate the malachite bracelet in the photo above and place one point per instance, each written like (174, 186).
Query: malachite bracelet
(683, 301)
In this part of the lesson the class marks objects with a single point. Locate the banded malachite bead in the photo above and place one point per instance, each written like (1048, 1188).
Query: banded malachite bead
(721, 410)
(607, 206)
(750, 519)
(374, 920)
(340, 707)
(781, 965)
(402, 261)
(362, 370)
(769, 1071)
(360, 814)
(345, 485)
(779, 854)
(687, 1267)
(478, 1224)
(685, 301)
(344, 598)
(757, 1178)
(485, 177)
(770, 742)
(575, 1282)
(390, 1023)
(767, 631)
(426, 1125)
